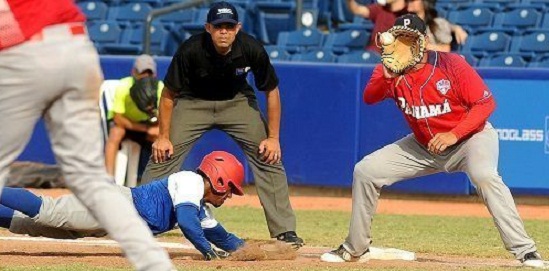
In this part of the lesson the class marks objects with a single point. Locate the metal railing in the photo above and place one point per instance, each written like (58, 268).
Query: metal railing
(161, 11)
(184, 5)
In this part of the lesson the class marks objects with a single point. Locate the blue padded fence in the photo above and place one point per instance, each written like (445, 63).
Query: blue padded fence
(326, 128)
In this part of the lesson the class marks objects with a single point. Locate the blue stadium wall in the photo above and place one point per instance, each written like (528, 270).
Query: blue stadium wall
(326, 128)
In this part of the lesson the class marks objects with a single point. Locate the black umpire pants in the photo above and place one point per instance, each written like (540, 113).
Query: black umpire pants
(241, 119)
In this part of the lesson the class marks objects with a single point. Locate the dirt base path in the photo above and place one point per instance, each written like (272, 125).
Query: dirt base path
(22, 252)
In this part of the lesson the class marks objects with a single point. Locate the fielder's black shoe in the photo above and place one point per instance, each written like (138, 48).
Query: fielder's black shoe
(532, 259)
(291, 238)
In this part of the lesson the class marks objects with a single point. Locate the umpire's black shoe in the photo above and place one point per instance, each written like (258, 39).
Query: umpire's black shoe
(291, 238)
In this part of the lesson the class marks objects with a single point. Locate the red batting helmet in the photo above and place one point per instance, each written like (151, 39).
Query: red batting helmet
(224, 172)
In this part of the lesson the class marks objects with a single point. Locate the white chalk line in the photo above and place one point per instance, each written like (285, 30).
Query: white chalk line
(108, 243)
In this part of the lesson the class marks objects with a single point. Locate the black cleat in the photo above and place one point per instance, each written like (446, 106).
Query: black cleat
(291, 238)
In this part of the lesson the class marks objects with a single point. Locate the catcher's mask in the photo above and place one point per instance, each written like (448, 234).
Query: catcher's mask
(223, 171)
(409, 32)
(144, 93)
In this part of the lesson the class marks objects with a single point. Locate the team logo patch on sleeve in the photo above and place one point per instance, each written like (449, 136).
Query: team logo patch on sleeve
(241, 71)
(443, 85)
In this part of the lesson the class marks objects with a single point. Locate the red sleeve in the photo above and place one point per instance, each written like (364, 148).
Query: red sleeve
(374, 11)
(378, 88)
(474, 95)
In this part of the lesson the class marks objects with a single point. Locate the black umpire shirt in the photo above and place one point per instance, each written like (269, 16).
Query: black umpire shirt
(198, 71)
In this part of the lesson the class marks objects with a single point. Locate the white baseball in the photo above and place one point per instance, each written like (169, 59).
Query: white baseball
(387, 38)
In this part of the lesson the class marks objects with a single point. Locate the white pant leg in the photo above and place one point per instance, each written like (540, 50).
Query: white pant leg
(478, 157)
(395, 162)
(68, 72)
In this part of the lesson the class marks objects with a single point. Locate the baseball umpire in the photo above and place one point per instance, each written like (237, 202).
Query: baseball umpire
(178, 199)
(206, 88)
(446, 104)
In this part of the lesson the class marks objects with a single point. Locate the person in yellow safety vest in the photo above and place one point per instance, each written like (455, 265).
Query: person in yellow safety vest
(135, 110)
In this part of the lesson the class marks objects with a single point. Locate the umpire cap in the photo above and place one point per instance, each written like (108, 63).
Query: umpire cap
(222, 12)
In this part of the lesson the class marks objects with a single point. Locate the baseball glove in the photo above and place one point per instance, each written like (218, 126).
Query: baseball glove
(404, 51)
(144, 93)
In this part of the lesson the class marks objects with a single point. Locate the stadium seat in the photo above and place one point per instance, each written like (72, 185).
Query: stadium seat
(324, 13)
(494, 7)
(105, 33)
(174, 19)
(535, 42)
(311, 4)
(309, 18)
(544, 3)
(539, 63)
(276, 53)
(152, 3)
(486, 43)
(110, 3)
(314, 56)
(127, 158)
(94, 10)
(133, 42)
(471, 59)
(472, 17)
(501, 3)
(359, 57)
(346, 41)
(130, 12)
(450, 4)
(340, 12)
(300, 40)
(503, 60)
(358, 23)
(545, 21)
(272, 18)
(519, 18)
(197, 25)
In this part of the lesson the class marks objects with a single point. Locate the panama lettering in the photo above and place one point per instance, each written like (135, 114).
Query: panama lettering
(424, 111)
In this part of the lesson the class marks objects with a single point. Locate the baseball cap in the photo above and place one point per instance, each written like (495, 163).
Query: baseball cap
(144, 62)
(222, 12)
(412, 21)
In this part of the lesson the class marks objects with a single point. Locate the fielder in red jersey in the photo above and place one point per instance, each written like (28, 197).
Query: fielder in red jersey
(444, 94)
(446, 104)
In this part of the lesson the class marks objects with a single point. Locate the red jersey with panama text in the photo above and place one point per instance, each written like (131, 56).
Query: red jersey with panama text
(21, 19)
(445, 95)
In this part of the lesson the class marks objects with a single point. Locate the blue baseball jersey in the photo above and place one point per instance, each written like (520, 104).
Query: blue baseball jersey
(178, 198)
(155, 203)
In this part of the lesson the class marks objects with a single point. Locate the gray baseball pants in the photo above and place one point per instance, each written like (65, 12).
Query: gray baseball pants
(241, 119)
(59, 77)
(406, 158)
(64, 217)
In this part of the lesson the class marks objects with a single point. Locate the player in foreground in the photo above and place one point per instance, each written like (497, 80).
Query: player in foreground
(446, 104)
(180, 198)
(49, 68)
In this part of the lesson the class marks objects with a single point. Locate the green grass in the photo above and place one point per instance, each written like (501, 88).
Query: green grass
(453, 236)
(465, 236)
